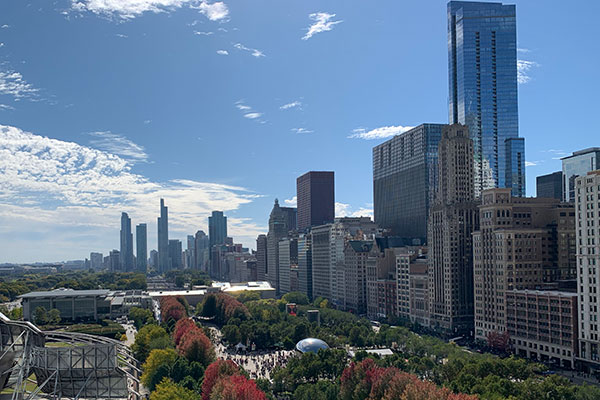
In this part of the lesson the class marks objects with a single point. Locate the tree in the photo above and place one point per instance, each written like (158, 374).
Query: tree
(296, 297)
(53, 316)
(231, 333)
(157, 360)
(181, 328)
(148, 338)
(322, 390)
(216, 371)
(141, 316)
(40, 316)
(195, 346)
(172, 309)
(179, 281)
(236, 387)
(169, 390)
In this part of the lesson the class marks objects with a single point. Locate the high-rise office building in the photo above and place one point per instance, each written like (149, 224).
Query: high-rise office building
(405, 180)
(126, 252)
(114, 261)
(163, 239)
(549, 186)
(587, 204)
(305, 264)
(278, 229)
(141, 241)
(482, 70)
(153, 259)
(352, 276)
(96, 260)
(217, 228)
(452, 220)
(522, 243)
(288, 260)
(578, 164)
(315, 194)
(201, 251)
(175, 254)
(261, 257)
(291, 217)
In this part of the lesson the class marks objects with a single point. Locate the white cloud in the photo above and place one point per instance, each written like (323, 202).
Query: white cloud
(345, 210)
(521, 50)
(301, 130)
(199, 33)
(379, 133)
(119, 145)
(4, 26)
(13, 84)
(253, 115)
(215, 11)
(530, 163)
(128, 9)
(51, 186)
(6, 107)
(322, 23)
(248, 112)
(147, 121)
(121, 35)
(242, 106)
(1, 44)
(293, 104)
(291, 202)
(222, 52)
(255, 52)
(523, 69)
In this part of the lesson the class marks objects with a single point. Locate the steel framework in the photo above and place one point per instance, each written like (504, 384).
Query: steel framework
(78, 366)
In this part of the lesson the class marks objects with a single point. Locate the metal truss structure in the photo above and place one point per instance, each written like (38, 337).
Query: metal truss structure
(77, 366)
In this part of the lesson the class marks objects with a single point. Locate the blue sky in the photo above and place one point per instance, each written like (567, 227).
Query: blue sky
(108, 105)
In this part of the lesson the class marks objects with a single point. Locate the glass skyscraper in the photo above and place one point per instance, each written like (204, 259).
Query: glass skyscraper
(578, 164)
(482, 69)
(405, 170)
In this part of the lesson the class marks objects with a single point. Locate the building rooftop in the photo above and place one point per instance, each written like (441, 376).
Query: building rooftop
(559, 293)
(581, 152)
(62, 292)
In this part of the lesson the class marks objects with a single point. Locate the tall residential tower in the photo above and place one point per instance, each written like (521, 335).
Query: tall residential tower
(482, 70)
(141, 241)
(126, 253)
(163, 238)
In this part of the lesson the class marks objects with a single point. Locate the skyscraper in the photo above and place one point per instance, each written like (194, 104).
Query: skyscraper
(163, 238)
(261, 257)
(175, 254)
(201, 251)
(291, 217)
(587, 195)
(578, 164)
(482, 69)
(405, 180)
(315, 194)
(96, 260)
(126, 252)
(550, 186)
(141, 241)
(217, 228)
(277, 230)
(305, 264)
(452, 220)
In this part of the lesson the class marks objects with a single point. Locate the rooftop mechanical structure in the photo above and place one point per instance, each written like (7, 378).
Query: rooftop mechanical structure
(37, 364)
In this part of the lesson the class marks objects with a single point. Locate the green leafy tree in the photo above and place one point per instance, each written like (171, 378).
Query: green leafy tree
(296, 297)
(159, 362)
(148, 338)
(169, 390)
(141, 316)
(53, 316)
(40, 316)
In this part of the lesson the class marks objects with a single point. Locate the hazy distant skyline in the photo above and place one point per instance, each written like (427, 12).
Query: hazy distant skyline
(105, 107)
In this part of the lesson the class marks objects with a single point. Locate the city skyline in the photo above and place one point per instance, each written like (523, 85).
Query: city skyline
(65, 183)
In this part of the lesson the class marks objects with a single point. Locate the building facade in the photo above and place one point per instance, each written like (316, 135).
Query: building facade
(315, 196)
(482, 70)
(175, 254)
(126, 252)
(217, 228)
(261, 257)
(418, 279)
(201, 251)
(587, 204)
(542, 325)
(305, 280)
(405, 172)
(141, 248)
(550, 186)
(452, 220)
(163, 239)
(523, 243)
(352, 276)
(278, 230)
(288, 260)
(578, 164)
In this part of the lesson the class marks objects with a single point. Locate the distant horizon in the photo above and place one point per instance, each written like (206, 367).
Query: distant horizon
(105, 108)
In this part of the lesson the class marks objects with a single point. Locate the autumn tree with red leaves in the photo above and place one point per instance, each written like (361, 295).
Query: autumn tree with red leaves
(181, 328)
(216, 371)
(367, 380)
(236, 387)
(223, 307)
(172, 309)
(195, 346)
